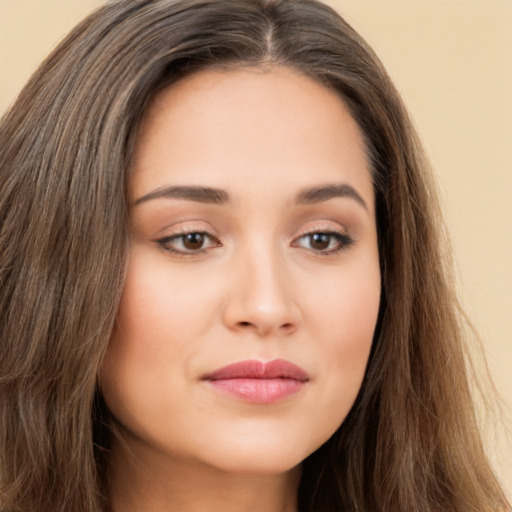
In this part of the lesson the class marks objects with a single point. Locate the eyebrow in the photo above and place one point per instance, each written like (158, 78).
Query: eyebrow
(217, 196)
(320, 194)
(189, 193)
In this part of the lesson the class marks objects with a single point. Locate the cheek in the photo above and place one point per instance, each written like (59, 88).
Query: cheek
(355, 321)
(157, 333)
(346, 316)
(160, 312)
(138, 334)
(345, 308)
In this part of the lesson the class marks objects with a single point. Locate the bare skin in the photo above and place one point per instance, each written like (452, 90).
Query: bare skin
(196, 488)
(253, 240)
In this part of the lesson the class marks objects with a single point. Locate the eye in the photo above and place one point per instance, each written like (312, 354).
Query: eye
(324, 242)
(194, 242)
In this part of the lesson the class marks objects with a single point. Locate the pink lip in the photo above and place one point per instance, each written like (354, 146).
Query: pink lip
(258, 382)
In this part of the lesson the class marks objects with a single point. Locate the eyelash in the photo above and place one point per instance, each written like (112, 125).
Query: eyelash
(166, 241)
(343, 240)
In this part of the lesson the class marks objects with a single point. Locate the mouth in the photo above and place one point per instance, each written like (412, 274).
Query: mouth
(259, 382)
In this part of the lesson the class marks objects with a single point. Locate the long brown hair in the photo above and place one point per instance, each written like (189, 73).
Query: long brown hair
(411, 441)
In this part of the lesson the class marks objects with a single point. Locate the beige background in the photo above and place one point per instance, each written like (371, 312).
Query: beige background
(452, 61)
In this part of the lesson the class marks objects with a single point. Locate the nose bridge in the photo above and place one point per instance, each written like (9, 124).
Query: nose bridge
(262, 297)
(265, 273)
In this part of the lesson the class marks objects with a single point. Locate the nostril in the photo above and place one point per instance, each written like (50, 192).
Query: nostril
(287, 326)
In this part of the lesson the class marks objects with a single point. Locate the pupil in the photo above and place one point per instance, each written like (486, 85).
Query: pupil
(320, 241)
(194, 241)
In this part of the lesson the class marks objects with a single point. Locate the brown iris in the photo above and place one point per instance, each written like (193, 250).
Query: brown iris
(320, 241)
(193, 241)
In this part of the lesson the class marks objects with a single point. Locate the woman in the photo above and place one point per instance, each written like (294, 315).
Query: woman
(222, 284)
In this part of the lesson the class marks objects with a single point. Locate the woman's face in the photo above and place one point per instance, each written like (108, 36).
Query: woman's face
(253, 281)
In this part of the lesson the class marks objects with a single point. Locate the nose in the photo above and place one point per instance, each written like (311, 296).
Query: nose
(260, 296)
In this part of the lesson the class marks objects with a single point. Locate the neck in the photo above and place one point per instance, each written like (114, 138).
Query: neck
(165, 484)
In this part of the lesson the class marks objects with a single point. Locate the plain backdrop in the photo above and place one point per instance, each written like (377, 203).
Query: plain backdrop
(452, 62)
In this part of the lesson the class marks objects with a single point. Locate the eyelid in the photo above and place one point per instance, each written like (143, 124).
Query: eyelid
(179, 231)
(344, 238)
(323, 226)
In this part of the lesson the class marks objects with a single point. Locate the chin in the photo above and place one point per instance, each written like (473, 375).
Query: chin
(265, 453)
(266, 463)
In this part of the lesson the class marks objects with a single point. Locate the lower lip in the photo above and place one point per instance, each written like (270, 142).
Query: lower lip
(259, 391)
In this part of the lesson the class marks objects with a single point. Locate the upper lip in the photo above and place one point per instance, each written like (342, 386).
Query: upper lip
(276, 369)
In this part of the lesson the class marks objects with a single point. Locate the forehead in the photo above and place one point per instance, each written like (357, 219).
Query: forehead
(248, 125)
